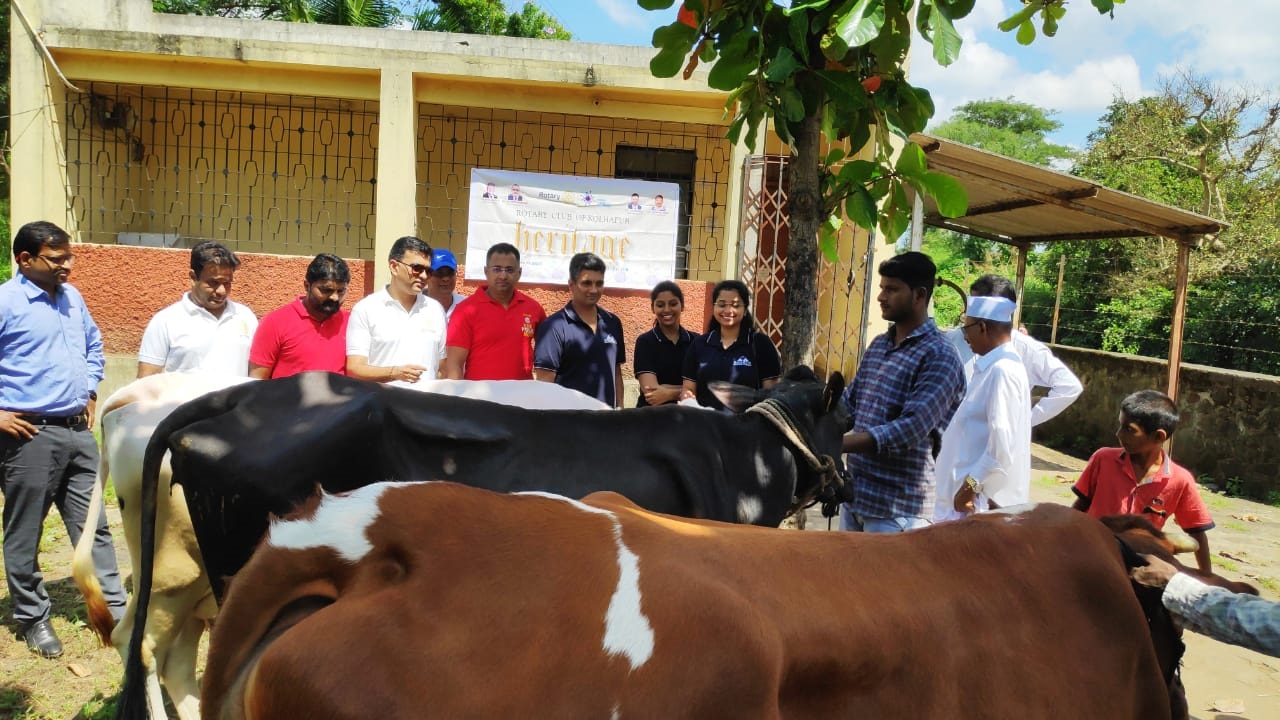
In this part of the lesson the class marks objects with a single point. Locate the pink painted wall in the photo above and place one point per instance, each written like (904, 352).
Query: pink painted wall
(124, 286)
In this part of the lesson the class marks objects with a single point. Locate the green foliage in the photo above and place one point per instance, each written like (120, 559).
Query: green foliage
(1008, 127)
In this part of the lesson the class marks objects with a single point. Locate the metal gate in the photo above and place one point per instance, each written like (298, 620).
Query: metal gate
(762, 252)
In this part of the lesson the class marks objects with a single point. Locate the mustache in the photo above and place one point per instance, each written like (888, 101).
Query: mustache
(330, 306)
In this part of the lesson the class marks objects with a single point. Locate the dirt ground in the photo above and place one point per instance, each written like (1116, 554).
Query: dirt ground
(1223, 682)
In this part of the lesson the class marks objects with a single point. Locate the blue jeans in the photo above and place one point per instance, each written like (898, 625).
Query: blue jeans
(854, 522)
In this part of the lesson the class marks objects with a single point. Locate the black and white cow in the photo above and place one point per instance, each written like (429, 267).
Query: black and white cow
(257, 450)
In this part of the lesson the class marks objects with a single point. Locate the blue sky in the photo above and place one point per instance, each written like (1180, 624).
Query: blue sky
(1092, 59)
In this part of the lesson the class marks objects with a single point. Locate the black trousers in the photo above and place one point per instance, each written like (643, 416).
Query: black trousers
(56, 467)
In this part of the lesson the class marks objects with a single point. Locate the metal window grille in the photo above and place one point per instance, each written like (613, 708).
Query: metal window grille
(258, 172)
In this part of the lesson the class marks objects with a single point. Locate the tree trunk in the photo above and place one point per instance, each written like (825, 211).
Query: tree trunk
(805, 207)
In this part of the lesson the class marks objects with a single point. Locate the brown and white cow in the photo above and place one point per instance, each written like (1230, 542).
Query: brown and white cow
(532, 605)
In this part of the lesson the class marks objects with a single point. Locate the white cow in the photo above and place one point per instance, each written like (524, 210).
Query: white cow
(182, 602)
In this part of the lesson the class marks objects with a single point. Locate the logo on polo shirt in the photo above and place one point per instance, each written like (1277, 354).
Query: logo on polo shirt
(742, 361)
(527, 328)
(608, 339)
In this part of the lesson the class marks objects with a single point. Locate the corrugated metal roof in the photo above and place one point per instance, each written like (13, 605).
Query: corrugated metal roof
(1014, 202)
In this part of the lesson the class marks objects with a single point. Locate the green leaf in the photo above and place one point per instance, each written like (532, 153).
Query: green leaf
(829, 238)
(792, 103)
(911, 162)
(798, 32)
(1105, 7)
(1016, 19)
(833, 157)
(858, 172)
(955, 9)
(1026, 33)
(897, 214)
(843, 90)
(861, 207)
(861, 24)
(947, 193)
(655, 4)
(728, 73)
(946, 41)
(782, 66)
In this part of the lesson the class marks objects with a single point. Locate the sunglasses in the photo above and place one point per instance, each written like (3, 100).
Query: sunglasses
(415, 268)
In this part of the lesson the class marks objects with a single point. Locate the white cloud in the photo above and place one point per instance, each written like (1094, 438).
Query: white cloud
(624, 12)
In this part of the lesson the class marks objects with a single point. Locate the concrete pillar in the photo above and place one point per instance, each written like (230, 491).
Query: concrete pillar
(733, 210)
(37, 102)
(397, 191)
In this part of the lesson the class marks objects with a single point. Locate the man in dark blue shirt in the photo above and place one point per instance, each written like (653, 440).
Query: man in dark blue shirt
(50, 364)
(580, 346)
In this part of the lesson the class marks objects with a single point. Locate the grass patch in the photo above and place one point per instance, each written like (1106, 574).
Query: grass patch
(1214, 500)
(1269, 583)
(1225, 564)
(1235, 525)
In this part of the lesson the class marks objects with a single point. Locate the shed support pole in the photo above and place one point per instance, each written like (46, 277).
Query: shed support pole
(1018, 281)
(1179, 317)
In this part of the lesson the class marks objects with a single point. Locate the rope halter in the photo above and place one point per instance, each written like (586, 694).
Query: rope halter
(828, 471)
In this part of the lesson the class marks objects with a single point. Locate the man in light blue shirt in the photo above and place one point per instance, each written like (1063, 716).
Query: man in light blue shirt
(50, 365)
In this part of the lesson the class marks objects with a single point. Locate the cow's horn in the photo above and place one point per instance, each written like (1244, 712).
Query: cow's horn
(1181, 542)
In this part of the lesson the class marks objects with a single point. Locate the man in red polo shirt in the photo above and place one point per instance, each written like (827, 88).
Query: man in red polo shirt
(491, 332)
(309, 333)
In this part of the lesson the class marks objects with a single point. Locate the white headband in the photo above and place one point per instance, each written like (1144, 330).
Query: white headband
(990, 308)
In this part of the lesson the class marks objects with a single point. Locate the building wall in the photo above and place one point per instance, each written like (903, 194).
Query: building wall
(1228, 426)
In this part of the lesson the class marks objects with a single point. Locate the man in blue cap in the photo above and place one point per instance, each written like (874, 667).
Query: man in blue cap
(985, 461)
(443, 280)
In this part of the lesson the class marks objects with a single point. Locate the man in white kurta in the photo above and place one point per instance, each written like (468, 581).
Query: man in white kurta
(985, 458)
(1044, 369)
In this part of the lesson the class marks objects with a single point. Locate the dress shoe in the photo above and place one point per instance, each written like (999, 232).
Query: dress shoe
(41, 638)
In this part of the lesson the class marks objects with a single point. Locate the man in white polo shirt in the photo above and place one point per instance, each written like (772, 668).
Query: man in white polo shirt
(204, 332)
(396, 335)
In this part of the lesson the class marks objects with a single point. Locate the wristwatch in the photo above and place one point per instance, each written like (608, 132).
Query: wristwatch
(973, 484)
(93, 395)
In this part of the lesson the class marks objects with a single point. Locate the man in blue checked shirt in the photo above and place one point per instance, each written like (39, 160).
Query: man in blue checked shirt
(50, 365)
(908, 386)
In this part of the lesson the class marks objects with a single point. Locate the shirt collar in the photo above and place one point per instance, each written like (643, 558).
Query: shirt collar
(1165, 471)
(193, 309)
(34, 291)
(925, 328)
(662, 337)
(744, 337)
(1004, 350)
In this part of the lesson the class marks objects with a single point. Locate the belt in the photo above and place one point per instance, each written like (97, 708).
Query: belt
(66, 421)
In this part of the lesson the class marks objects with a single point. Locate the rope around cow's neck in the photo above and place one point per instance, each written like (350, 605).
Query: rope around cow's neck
(777, 414)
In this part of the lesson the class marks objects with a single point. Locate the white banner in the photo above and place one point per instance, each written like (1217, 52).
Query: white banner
(631, 224)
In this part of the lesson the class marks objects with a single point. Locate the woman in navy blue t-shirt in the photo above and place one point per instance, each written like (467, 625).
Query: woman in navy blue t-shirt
(732, 349)
(659, 355)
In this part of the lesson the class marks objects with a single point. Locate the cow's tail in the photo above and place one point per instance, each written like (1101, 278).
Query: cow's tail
(82, 569)
(132, 703)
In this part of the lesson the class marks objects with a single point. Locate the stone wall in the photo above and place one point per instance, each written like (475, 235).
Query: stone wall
(1229, 420)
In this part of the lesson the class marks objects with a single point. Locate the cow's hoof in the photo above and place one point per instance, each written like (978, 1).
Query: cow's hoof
(42, 639)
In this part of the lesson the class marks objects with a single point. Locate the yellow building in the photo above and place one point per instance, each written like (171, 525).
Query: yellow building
(294, 139)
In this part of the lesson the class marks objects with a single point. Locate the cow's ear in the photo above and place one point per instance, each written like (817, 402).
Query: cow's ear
(835, 388)
(735, 397)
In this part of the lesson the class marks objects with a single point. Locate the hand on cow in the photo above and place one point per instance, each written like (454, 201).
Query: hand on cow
(407, 373)
(663, 394)
(963, 501)
(91, 412)
(12, 423)
(1156, 573)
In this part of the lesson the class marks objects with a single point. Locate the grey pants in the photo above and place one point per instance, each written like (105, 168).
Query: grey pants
(56, 467)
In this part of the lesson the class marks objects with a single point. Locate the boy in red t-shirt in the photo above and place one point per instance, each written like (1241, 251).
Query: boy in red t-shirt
(1139, 478)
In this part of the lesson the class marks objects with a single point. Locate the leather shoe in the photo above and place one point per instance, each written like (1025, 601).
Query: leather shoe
(42, 639)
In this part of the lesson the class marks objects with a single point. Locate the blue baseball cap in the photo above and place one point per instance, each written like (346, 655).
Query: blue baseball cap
(443, 259)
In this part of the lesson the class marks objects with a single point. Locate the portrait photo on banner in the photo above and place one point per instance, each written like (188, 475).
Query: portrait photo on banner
(631, 224)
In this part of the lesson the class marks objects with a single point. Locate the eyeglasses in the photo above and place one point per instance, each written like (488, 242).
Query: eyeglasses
(966, 326)
(503, 269)
(58, 261)
(728, 306)
(415, 268)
